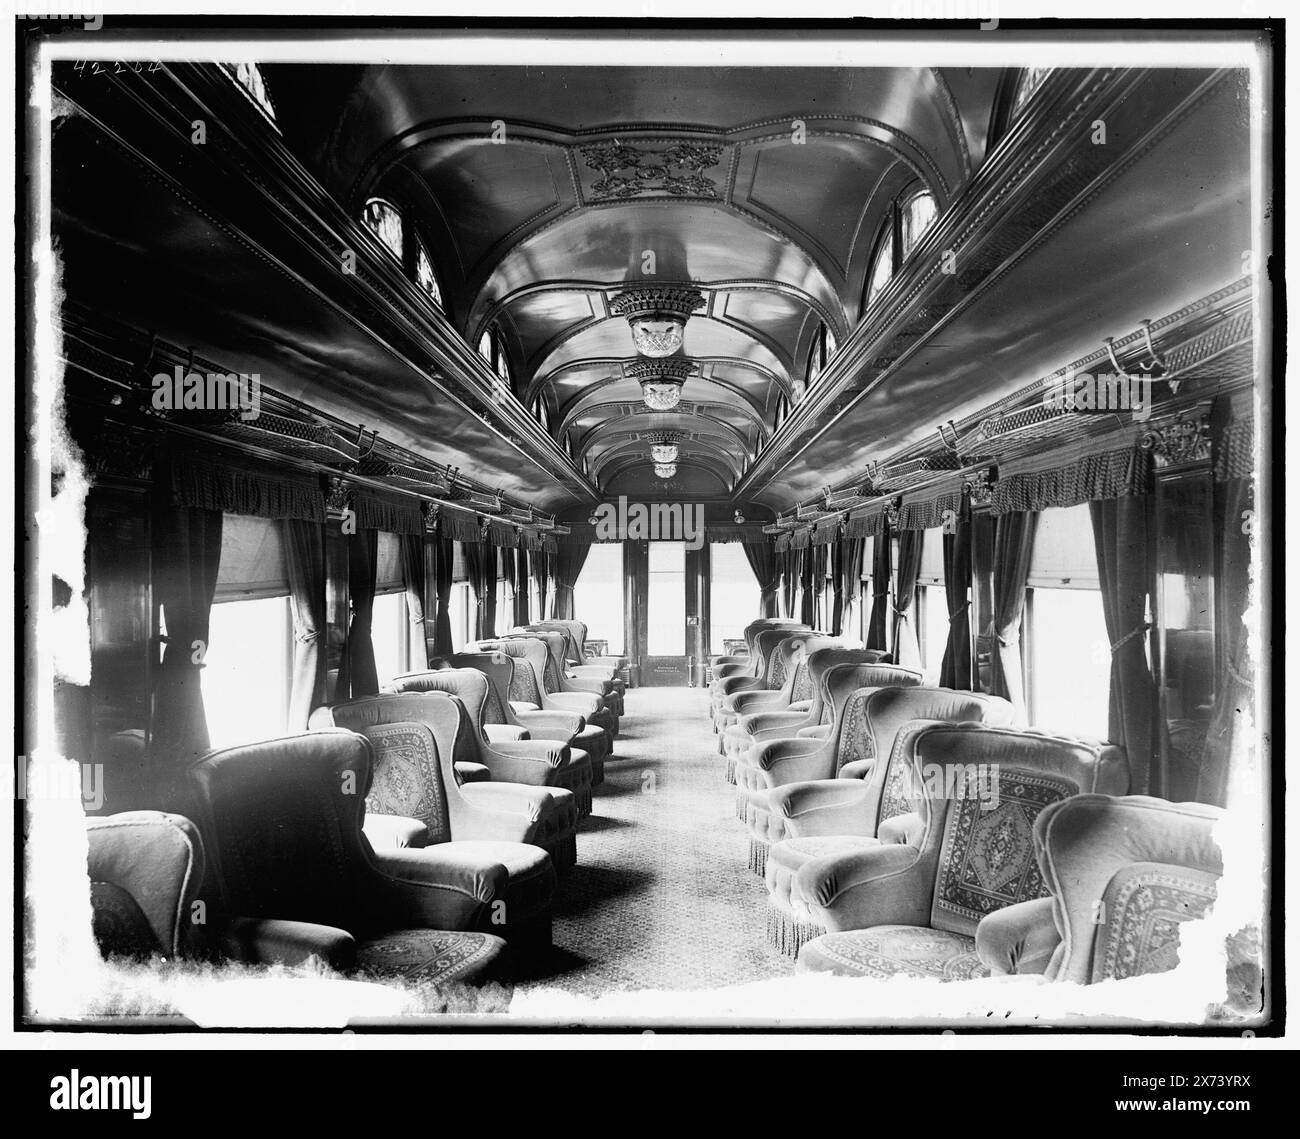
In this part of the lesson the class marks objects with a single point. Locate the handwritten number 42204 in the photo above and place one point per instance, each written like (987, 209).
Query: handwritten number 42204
(117, 67)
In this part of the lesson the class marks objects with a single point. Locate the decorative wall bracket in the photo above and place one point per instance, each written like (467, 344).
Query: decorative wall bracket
(1183, 441)
(979, 486)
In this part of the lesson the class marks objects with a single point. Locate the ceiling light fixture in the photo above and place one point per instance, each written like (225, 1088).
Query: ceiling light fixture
(665, 470)
(657, 315)
(663, 446)
(661, 380)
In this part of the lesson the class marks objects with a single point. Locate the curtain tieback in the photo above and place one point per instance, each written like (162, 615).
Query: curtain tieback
(1008, 640)
(960, 611)
(308, 637)
(1124, 640)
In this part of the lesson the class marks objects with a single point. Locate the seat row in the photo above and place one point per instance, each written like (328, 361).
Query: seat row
(905, 829)
(417, 833)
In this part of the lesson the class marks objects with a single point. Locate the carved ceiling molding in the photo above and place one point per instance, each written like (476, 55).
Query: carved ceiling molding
(650, 168)
(619, 364)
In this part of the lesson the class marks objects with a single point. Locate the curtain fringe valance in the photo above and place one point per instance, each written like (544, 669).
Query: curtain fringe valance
(394, 515)
(867, 524)
(243, 486)
(782, 543)
(1091, 478)
(826, 532)
(800, 540)
(929, 513)
(723, 532)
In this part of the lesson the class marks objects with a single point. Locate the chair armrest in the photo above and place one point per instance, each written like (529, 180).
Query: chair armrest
(824, 807)
(889, 884)
(472, 772)
(1018, 939)
(857, 769)
(591, 671)
(503, 733)
(754, 700)
(518, 706)
(752, 723)
(271, 941)
(394, 831)
(580, 703)
(435, 888)
(730, 685)
(552, 725)
(815, 732)
(587, 684)
(725, 669)
(792, 760)
(531, 762)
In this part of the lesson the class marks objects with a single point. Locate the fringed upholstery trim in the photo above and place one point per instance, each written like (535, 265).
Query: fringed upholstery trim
(782, 543)
(742, 801)
(563, 852)
(731, 771)
(243, 487)
(734, 532)
(788, 935)
(394, 515)
(758, 857)
(1110, 474)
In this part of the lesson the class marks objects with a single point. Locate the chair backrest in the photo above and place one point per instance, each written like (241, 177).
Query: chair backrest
(979, 791)
(553, 669)
(411, 777)
(281, 821)
(146, 868)
(820, 662)
(770, 668)
(1124, 874)
(874, 726)
(436, 706)
(796, 651)
(529, 655)
(572, 646)
(497, 667)
(844, 688)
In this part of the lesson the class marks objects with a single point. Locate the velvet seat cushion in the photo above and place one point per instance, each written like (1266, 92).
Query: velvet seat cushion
(886, 951)
(786, 858)
(430, 956)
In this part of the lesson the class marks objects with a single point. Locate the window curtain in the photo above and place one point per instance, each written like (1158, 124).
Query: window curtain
(441, 551)
(1123, 530)
(570, 557)
(481, 566)
(789, 581)
(906, 646)
(820, 557)
(807, 590)
(412, 550)
(955, 671)
(881, 572)
(762, 560)
(186, 558)
(357, 673)
(1013, 546)
(1234, 700)
(522, 609)
(847, 568)
(543, 561)
(304, 557)
(983, 537)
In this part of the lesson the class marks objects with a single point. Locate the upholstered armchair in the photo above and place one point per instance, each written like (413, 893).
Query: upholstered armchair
(723, 666)
(499, 715)
(293, 876)
(576, 662)
(528, 689)
(578, 630)
(414, 780)
(576, 677)
(766, 723)
(795, 693)
(814, 754)
(800, 818)
(769, 675)
(146, 868)
(453, 711)
(558, 679)
(955, 843)
(1123, 874)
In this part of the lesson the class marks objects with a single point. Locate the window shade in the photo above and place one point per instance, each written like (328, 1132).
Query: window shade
(932, 558)
(388, 564)
(1064, 555)
(252, 559)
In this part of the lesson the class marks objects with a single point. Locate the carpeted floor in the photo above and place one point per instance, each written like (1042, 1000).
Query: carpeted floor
(661, 897)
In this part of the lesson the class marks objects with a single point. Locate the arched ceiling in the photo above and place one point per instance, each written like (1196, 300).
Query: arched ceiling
(545, 192)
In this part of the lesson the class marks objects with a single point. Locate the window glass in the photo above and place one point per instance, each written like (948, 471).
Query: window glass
(252, 559)
(666, 600)
(388, 632)
(1031, 79)
(918, 214)
(933, 630)
(425, 276)
(598, 594)
(734, 596)
(485, 346)
(246, 669)
(249, 77)
(458, 610)
(388, 563)
(385, 222)
(1069, 662)
(883, 269)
